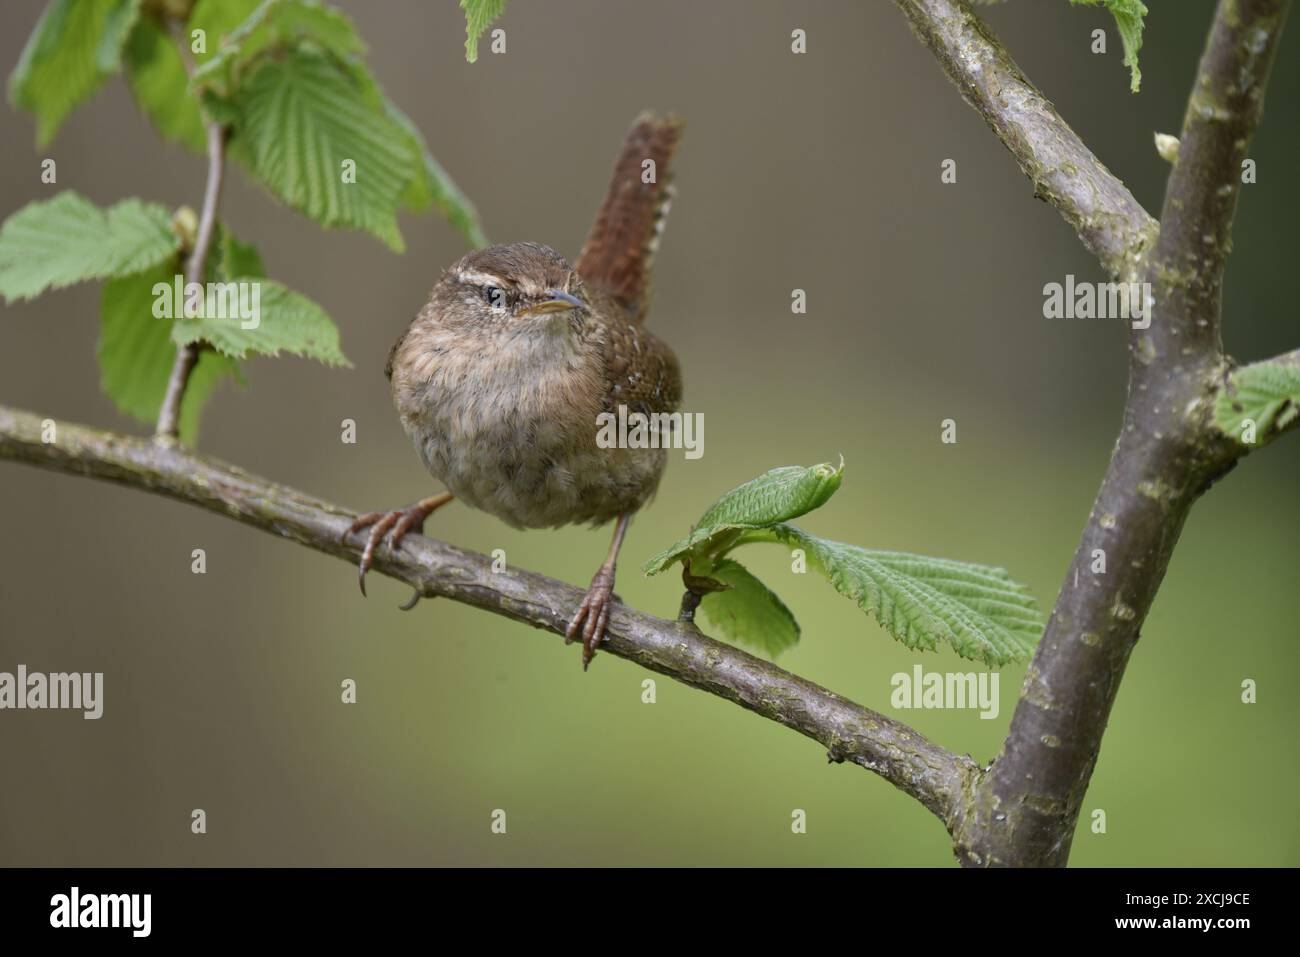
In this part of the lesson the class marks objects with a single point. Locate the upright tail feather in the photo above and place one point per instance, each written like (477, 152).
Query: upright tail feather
(619, 250)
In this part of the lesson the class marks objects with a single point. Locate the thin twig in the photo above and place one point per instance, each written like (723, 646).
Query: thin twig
(1065, 173)
(934, 776)
(187, 356)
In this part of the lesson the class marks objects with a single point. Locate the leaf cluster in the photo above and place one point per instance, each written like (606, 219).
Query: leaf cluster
(285, 85)
(976, 609)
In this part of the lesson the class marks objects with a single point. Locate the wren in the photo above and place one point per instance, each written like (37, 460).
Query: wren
(501, 376)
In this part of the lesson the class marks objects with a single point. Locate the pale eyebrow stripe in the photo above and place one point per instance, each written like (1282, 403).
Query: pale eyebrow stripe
(482, 279)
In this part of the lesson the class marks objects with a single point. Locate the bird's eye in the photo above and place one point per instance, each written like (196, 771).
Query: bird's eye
(495, 296)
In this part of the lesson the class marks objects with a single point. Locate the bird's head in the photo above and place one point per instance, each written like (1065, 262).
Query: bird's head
(520, 289)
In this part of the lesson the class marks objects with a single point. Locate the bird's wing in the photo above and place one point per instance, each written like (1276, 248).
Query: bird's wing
(640, 371)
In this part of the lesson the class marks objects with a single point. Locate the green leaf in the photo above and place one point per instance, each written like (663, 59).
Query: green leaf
(136, 352)
(748, 612)
(977, 609)
(234, 259)
(303, 115)
(74, 46)
(479, 15)
(156, 75)
(285, 321)
(208, 373)
(1266, 393)
(431, 183)
(1128, 16)
(776, 496)
(286, 25)
(68, 239)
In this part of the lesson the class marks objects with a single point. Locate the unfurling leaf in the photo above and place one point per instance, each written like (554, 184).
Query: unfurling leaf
(68, 239)
(748, 612)
(776, 496)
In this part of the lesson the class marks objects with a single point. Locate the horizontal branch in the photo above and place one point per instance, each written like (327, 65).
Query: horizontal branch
(1065, 173)
(931, 774)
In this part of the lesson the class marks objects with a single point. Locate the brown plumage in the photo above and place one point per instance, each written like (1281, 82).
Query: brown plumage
(501, 377)
(619, 252)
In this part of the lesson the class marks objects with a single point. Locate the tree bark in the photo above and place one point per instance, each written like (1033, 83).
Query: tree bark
(1025, 808)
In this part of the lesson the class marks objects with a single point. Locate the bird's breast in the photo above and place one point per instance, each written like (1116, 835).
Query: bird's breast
(513, 432)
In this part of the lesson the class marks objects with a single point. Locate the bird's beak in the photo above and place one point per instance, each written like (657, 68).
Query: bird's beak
(557, 300)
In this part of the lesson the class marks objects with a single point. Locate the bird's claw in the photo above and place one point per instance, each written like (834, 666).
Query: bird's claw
(401, 521)
(592, 615)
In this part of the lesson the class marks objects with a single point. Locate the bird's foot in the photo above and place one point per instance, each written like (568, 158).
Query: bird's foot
(593, 614)
(397, 524)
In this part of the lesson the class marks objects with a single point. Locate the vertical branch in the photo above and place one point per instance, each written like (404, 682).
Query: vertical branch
(1025, 808)
(1201, 197)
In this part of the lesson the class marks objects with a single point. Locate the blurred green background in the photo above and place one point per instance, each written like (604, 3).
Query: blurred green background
(818, 171)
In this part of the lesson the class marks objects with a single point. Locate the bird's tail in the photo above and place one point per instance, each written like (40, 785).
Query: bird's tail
(620, 248)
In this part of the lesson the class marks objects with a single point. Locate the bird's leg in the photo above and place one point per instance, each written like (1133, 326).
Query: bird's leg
(401, 521)
(593, 614)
